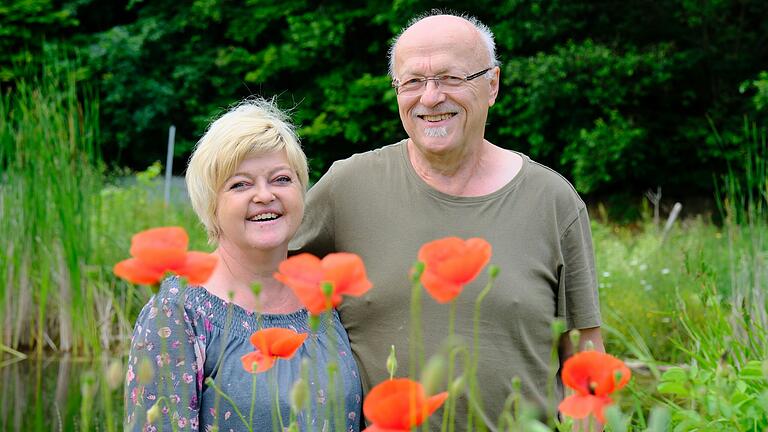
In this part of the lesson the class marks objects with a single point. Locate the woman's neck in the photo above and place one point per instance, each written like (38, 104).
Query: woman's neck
(239, 271)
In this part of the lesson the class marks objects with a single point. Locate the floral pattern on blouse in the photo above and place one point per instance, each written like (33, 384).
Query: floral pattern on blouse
(185, 335)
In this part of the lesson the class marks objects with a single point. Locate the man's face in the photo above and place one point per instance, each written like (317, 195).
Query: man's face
(438, 122)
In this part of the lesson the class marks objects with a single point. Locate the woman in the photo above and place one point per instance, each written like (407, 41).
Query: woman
(246, 180)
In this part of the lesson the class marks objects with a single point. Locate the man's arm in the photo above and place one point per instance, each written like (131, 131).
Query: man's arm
(589, 334)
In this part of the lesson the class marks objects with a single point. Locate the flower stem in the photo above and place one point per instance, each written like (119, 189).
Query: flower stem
(220, 393)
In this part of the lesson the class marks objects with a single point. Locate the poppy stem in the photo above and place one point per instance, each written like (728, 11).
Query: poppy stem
(415, 360)
(449, 409)
(209, 381)
(253, 398)
(493, 272)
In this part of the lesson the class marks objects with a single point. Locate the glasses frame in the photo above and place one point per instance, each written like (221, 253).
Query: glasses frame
(437, 79)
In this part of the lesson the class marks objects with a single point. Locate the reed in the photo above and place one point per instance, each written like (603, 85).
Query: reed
(49, 158)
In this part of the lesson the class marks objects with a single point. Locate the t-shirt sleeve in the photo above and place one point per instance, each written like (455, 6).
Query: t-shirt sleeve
(578, 301)
(316, 233)
(165, 367)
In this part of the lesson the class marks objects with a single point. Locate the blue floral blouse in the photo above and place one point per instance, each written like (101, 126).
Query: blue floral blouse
(177, 345)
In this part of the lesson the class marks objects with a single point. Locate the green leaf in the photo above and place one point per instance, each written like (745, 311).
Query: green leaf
(675, 374)
(673, 388)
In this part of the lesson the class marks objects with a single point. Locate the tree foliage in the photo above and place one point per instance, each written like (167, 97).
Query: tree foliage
(618, 96)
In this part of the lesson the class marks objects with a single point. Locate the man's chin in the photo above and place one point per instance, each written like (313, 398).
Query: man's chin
(436, 132)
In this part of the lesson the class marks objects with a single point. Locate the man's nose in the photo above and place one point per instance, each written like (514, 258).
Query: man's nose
(433, 94)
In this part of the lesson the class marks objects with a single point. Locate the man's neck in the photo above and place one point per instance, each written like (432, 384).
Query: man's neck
(475, 171)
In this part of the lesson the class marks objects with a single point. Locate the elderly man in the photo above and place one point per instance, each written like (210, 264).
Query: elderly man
(446, 179)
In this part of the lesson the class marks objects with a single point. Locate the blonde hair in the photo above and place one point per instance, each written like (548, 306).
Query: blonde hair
(253, 127)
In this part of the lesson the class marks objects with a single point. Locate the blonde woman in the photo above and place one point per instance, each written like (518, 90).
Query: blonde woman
(246, 179)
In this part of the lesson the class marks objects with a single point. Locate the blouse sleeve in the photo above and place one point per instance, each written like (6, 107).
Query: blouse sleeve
(165, 366)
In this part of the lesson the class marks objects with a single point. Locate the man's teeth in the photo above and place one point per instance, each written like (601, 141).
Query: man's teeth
(436, 118)
(264, 216)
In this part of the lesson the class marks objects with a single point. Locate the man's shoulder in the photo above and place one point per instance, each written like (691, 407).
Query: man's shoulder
(368, 162)
(549, 181)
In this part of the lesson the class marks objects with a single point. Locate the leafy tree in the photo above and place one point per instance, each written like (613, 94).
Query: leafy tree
(618, 96)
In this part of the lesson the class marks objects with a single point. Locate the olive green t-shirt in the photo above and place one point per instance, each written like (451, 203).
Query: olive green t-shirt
(375, 205)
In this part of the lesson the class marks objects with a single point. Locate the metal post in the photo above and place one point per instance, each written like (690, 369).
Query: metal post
(169, 163)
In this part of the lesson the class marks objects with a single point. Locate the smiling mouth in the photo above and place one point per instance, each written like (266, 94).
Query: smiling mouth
(436, 118)
(264, 217)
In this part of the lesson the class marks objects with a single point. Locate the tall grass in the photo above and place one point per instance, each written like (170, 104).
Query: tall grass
(49, 159)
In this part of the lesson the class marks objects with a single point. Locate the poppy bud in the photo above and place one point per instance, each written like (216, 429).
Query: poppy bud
(493, 271)
(153, 414)
(327, 289)
(557, 327)
(314, 322)
(146, 372)
(617, 376)
(392, 362)
(299, 395)
(417, 270)
(457, 386)
(575, 336)
(433, 374)
(114, 374)
(256, 288)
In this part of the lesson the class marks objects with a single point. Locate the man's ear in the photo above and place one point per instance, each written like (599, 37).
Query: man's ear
(494, 83)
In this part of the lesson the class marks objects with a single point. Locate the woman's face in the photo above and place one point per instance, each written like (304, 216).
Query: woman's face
(261, 205)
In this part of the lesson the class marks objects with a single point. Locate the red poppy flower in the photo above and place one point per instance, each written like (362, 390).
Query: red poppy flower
(271, 344)
(592, 375)
(450, 263)
(398, 405)
(160, 250)
(305, 274)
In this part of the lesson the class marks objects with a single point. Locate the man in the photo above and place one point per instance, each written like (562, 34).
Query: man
(447, 180)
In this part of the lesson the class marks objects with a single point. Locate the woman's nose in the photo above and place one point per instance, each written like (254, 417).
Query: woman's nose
(263, 194)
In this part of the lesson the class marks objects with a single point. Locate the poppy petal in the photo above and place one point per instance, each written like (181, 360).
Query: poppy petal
(276, 341)
(198, 267)
(400, 404)
(347, 272)
(450, 263)
(593, 372)
(163, 247)
(432, 404)
(599, 407)
(303, 274)
(251, 359)
(442, 290)
(376, 428)
(287, 346)
(137, 272)
(577, 406)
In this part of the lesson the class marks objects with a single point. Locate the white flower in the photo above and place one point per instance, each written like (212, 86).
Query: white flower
(665, 271)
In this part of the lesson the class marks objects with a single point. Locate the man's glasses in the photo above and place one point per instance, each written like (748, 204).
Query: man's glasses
(446, 83)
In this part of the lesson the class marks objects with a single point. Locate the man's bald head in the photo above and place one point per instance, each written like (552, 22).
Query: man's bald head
(448, 28)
